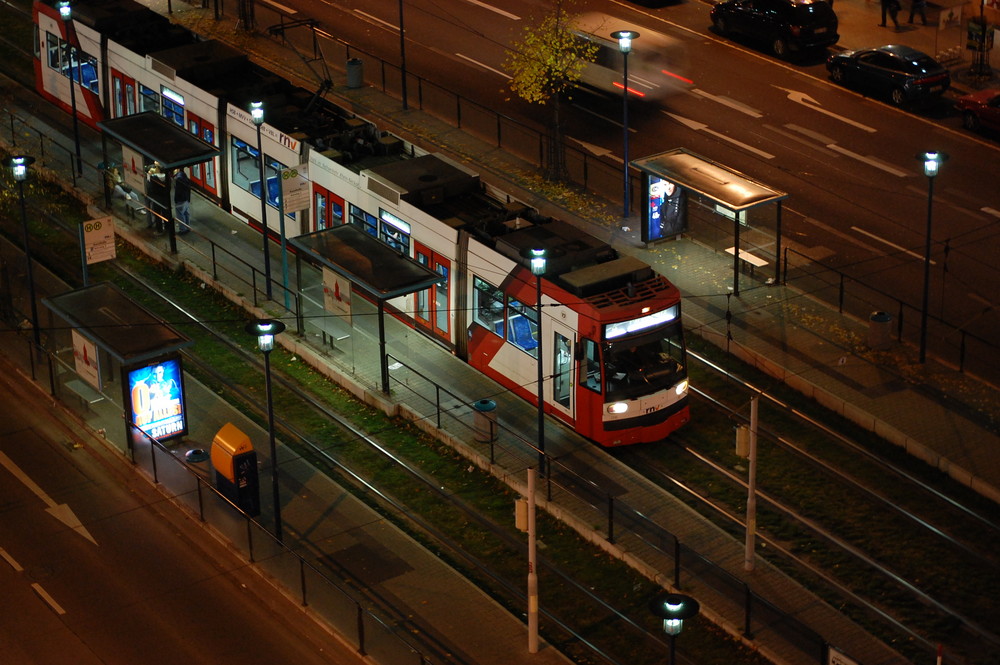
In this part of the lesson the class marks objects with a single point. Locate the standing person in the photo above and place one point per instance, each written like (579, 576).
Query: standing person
(892, 8)
(156, 192)
(182, 200)
(919, 7)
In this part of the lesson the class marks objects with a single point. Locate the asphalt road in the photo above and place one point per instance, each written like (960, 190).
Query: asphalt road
(93, 570)
(858, 197)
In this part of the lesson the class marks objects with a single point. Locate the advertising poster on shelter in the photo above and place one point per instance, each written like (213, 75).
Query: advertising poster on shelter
(666, 212)
(156, 393)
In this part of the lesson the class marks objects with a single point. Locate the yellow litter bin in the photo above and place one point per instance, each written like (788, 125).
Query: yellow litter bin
(235, 464)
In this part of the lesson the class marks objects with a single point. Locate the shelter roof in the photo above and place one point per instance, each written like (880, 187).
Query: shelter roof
(712, 180)
(367, 261)
(116, 323)
(160, 140)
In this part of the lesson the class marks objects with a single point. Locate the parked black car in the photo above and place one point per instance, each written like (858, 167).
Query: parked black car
(902, 73)
(784, 25)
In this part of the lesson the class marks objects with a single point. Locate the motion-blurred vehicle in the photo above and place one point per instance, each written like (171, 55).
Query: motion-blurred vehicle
(980, 110)
(784, 25)
(902, 73)
(656, 63)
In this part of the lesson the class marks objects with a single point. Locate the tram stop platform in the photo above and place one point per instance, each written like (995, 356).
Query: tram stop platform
(772, 327)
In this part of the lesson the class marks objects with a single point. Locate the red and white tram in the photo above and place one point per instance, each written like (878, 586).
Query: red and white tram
(613, 353)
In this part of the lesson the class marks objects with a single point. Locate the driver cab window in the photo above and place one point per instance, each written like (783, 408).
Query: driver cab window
(590, 370)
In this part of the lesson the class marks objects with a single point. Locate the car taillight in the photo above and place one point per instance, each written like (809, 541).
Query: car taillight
(796, 30)
(927, 80)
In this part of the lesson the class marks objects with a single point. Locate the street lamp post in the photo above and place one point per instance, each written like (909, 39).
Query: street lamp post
(265, 330)
(66, 12)
(538, 261)
(673, 608)
(402, 54)
(932, 164)
(257, 114)
(19, 169)
(625, 38)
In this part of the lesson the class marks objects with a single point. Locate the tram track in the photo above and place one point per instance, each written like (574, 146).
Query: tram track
(507, 590)
(888, 578)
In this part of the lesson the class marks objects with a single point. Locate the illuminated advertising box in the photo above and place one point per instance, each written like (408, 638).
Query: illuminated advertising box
(665, 210)
(156, 398)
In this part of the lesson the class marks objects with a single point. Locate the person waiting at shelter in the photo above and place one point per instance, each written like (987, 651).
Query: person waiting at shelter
(156, 192)
(182, 200)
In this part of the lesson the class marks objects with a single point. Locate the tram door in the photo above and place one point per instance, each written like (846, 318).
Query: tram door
(561, 367)
(432, 309)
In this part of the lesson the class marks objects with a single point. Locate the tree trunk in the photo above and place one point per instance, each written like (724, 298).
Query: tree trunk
(556, 167)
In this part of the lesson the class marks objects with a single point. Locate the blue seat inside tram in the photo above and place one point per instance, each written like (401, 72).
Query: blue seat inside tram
(272, 189)
(520, 332)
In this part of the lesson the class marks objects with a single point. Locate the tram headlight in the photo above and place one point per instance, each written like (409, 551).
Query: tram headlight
(681, 387)
(618, 407)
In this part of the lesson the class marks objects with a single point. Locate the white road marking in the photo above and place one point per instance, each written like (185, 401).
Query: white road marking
(890, 244)
(44, 595)
(871, 161)
(832, 230)
(512, 17)
(806, 100)
(61, 511)
(376, 19)
(481, 65)
(726, 101)
(702, 127)
(592, 148)
(10, 560)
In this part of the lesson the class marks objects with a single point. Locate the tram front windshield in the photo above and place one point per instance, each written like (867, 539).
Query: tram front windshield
(644, 363)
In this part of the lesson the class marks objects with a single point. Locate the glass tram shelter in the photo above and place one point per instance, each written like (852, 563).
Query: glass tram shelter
(111, 341)
(348, 256)
(683, 193)
(148, 138)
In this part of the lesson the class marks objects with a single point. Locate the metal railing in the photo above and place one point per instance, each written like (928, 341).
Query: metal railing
(950, 343)
(368, 633)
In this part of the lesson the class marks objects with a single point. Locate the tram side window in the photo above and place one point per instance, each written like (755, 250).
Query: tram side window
(52, 44)
(246, 175)
(173, 110)
(149, 99)
(365, 221)
(71, 62)
(394, 232)
(522, 326)
(487, 305)
(590, 372)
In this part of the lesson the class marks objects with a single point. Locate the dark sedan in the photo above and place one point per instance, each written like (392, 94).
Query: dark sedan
(902, 73)
(980, 109)
(784, 25)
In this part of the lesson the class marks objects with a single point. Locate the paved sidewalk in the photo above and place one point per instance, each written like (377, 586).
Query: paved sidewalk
(796, 340)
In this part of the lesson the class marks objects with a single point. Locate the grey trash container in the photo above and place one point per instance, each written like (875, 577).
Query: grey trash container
(485, 423)
(880, 331)
(355, 73)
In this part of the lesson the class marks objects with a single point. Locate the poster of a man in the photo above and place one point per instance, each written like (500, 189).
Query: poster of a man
(156, 396)
(667, 212)
(162, 388)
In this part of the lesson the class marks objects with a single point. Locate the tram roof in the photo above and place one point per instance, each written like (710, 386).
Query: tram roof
(125, 329)
(712, 180)
(367, 261)
(159, 139)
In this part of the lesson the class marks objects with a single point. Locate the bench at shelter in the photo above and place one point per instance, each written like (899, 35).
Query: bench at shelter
(84, 391)
(748, 259)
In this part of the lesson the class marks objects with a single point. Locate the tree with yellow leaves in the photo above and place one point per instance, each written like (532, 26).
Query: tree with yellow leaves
(546, 62)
